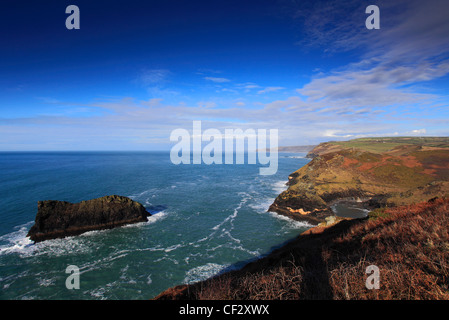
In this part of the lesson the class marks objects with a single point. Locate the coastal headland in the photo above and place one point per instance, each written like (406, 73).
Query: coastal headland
(376, 172)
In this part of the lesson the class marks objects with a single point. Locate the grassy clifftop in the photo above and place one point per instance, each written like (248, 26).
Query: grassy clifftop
(381, 145)
(381, 172)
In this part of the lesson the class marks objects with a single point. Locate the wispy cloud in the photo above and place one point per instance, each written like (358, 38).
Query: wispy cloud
(410, 49)
(154, 76)
(203, 71)
(377, 86)
(269, 89)
(217, 80)
(418, 132)
(131, 124)
(331, 25)
(410, 29)
(157, 82)
(250, 86)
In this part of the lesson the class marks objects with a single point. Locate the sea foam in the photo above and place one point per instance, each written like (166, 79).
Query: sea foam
(203, 272)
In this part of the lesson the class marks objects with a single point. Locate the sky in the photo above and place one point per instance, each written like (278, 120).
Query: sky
(137, 70)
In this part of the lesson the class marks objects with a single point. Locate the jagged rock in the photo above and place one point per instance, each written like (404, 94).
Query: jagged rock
(331, 220)
(58, 219)
(301, 206)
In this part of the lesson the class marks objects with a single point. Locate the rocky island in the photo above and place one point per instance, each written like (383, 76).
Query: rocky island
(378, 172)
(58, 219)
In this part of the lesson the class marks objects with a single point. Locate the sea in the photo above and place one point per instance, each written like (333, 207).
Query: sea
(206, 219)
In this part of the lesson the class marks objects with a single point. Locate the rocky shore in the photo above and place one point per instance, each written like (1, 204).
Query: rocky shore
(58, 219)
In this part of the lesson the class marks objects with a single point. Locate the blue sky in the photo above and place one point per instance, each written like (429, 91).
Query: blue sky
(137, 70)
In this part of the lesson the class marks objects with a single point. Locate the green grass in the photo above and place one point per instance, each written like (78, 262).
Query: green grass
(380, 145)
(401, 175)
(378, 213)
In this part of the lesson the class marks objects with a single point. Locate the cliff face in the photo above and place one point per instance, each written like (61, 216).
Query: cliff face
(58, 219)
(381, 173)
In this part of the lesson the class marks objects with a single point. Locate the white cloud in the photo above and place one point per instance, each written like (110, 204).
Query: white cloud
(270, 89)
(410, 29)
(131, 124)
(154, 76)
(156, 82)
(217, 80)
(377, 86)
(418, 132)
(388, 82)
(251, 86)
(336, 134)
(248, 85)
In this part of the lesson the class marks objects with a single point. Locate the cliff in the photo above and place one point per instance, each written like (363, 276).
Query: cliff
(58, 219)
(381, 172)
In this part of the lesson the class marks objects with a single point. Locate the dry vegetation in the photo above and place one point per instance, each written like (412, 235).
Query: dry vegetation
(410, 245)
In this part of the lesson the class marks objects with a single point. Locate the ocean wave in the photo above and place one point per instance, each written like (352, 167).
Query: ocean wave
(173, 247)
(151, 219)
(262, 206)
(226, 231)
(228, 234)
(203, 272)
(292, 224)
(98, 293)
(20, 244)
(45, 282)
(65, 246)
(279, 186)
(17, 241)
(165, 258)
(254, 253)
(156, 217)
(103, 263)
(234, 214)
(141, 194)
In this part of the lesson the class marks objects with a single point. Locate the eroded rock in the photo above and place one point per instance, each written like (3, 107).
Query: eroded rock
(58, 219)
